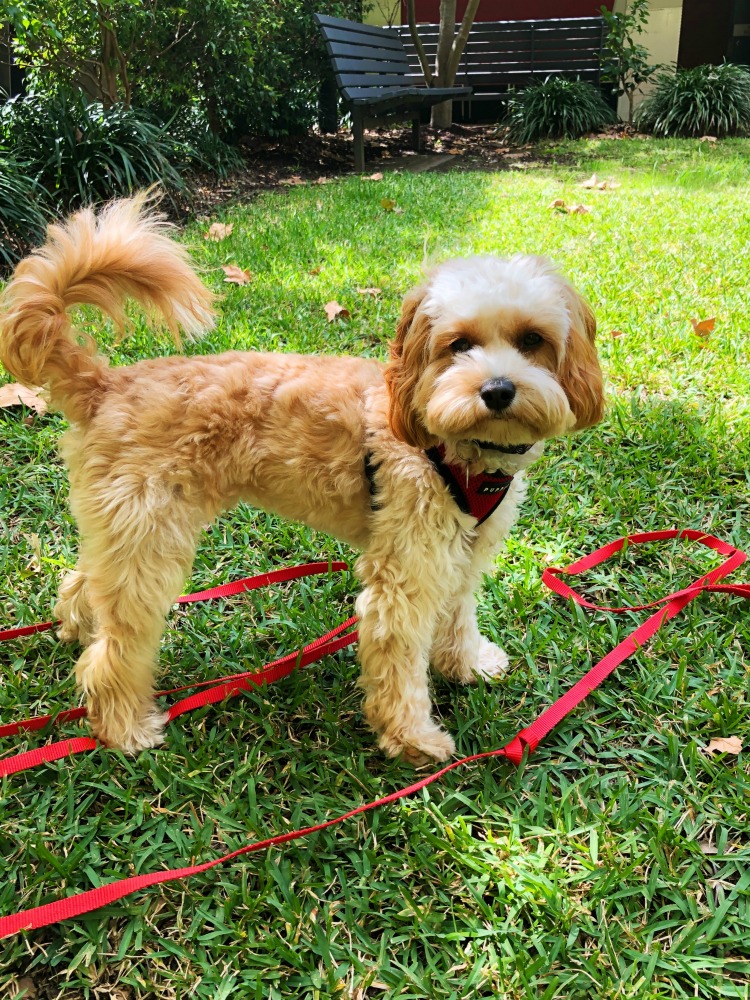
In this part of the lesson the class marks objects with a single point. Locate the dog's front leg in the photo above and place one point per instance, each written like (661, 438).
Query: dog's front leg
(459, 651)
(404, 594)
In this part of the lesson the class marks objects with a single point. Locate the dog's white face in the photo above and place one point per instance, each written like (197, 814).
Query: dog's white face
(494, 350)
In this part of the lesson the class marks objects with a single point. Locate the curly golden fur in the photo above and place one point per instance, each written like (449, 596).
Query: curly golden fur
(488, 352)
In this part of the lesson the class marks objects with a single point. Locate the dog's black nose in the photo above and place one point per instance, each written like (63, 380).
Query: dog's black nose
(498, 394)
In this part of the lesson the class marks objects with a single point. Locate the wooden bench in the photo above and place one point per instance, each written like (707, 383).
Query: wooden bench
(504, 54)
(375, 79)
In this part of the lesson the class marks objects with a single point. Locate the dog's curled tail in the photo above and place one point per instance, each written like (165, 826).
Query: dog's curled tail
(103, 260)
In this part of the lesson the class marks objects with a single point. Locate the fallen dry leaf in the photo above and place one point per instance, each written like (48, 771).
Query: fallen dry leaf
(13, 394)
(25, 989)
(559, 206)
(374, 292)
(704, 327)
(235, 275)
(725, 744)
(315, 270)
(34, 562)
(335, 311)
(708, 138)
(319, 206)
(707, 847)
(323, 180)
(615, 334)
(593, 182)
(375, 177)
(219, 231)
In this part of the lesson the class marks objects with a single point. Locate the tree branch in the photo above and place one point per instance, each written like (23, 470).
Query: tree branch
(459, 42)
(412, 18)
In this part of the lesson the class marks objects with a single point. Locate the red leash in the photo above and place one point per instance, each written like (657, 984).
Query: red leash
(527, 740)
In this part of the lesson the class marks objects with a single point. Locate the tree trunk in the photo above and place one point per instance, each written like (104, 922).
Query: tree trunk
(451, 45)
(108, 67)
(441, 115)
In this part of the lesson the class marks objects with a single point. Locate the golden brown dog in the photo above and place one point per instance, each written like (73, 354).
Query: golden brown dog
(491, 357)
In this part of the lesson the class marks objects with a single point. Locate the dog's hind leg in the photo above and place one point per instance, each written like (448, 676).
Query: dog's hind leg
(136, 563)
(73, 609)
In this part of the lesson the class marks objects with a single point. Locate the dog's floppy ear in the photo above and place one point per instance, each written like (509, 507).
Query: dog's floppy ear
(409, 355)
(580, 374)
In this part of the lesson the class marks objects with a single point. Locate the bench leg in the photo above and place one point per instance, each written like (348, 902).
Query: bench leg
(358, 130)
(416, 134)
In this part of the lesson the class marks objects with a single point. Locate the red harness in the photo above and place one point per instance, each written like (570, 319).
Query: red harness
(479, 495)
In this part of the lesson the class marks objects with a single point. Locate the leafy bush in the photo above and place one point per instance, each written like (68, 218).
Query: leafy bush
(197, 147)
(706, 100)
(83, 152)
(253, 66)
(624, 61)
(22, 210)
(556, 108)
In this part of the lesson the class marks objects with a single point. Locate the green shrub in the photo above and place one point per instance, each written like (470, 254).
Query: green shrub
(254, 66)
(22, 210)
(556, 108)
(196, 147)
(83, 152)
(706, 100)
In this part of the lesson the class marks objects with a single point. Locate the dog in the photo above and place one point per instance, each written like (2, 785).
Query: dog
(491, 357)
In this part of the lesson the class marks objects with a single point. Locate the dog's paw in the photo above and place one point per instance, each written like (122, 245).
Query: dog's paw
(491, 662)
(419, 746)
(72, 608)
(68, 631)
(146, 732)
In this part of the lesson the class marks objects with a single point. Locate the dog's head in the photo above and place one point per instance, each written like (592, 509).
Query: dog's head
(493, 350)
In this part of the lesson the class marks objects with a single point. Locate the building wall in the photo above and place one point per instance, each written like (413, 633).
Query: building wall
(428, 11)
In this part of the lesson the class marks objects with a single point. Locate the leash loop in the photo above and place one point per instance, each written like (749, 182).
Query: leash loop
(525, 742)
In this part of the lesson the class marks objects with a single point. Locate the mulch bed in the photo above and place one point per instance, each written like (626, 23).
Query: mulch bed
(279, 162)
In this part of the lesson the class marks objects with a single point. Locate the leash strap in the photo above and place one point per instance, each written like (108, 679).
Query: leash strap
(525, 741)
(253, 678)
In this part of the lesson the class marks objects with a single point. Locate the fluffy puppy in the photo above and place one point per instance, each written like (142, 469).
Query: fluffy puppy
(491, 357)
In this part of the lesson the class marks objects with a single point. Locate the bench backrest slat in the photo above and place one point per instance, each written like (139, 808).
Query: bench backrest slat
(384, 40)
(499, 54)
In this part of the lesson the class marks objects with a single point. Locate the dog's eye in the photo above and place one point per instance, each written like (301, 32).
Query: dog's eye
(531, 339)
(461, 346)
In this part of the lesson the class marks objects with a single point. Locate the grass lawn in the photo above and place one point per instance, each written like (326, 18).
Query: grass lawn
(616, 862)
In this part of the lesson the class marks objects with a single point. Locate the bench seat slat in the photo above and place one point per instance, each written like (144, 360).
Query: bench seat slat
(349, 65)
(403, 97)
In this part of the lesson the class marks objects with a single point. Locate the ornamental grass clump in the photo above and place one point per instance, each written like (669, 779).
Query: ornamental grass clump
(84, 152)
(23, 210)
(556, 108)
(706, 100)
